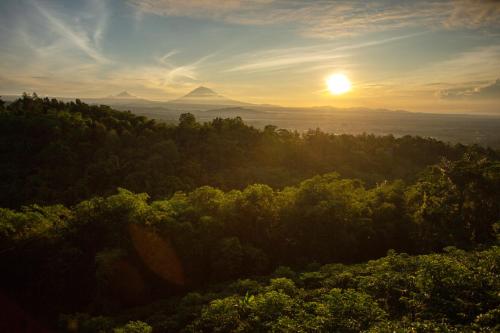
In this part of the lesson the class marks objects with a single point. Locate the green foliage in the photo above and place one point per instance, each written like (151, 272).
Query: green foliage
(350, 311)
(84, 323)
(285, 272)
(283, 285)
(375, 302)
(134, 327)
(460, 198)
(55, 152)
(208, 236)
(245, 287)
(387, 295)
(181, 257)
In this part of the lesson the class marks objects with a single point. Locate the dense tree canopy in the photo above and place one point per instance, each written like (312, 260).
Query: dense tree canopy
(55, 152)
(219, 227)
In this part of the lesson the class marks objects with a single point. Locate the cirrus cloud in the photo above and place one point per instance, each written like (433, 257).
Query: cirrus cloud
(490, 91)
(328, 19)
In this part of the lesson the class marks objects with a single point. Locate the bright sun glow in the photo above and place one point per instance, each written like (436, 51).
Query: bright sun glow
(338, 84)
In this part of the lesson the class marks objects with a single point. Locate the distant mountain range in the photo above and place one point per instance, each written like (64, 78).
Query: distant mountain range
(199, 99)
(203, 96)
(200, 96)
(206, 104)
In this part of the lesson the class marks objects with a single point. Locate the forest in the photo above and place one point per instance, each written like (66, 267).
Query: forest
(112, 222)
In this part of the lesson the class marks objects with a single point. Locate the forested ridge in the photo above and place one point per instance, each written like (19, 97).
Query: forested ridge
(116, 223)
(56, 152)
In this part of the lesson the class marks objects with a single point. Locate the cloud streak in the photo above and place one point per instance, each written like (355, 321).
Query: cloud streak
(481, 63)
(288, 57)
(332, 19)
(474, 14)
(77, 38)
(486, 92)
(166, 75)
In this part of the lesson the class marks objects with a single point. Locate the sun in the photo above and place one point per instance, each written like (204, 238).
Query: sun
(338, 84)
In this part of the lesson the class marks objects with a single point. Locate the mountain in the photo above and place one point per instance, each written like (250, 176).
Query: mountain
(202, 92)
(124, 94)
(205, 98)
(124, 99)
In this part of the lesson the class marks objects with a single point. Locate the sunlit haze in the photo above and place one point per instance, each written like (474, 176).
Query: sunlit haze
(430, 56)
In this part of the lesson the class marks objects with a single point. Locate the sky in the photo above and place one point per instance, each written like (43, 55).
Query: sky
(427, 55)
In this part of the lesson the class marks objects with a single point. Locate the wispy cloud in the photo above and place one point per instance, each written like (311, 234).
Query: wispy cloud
(79, 39)
(284, 61)
(165, 75)
(196, 8)
(169, 54)
(474, 14)
(481, 64)
(99, 6)
(462, 75)
(332, 19)
(489, 91)
(288, 57)
(163, 80)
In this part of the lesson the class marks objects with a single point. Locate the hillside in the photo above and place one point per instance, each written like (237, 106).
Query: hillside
(118, 223)
(59, 152)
